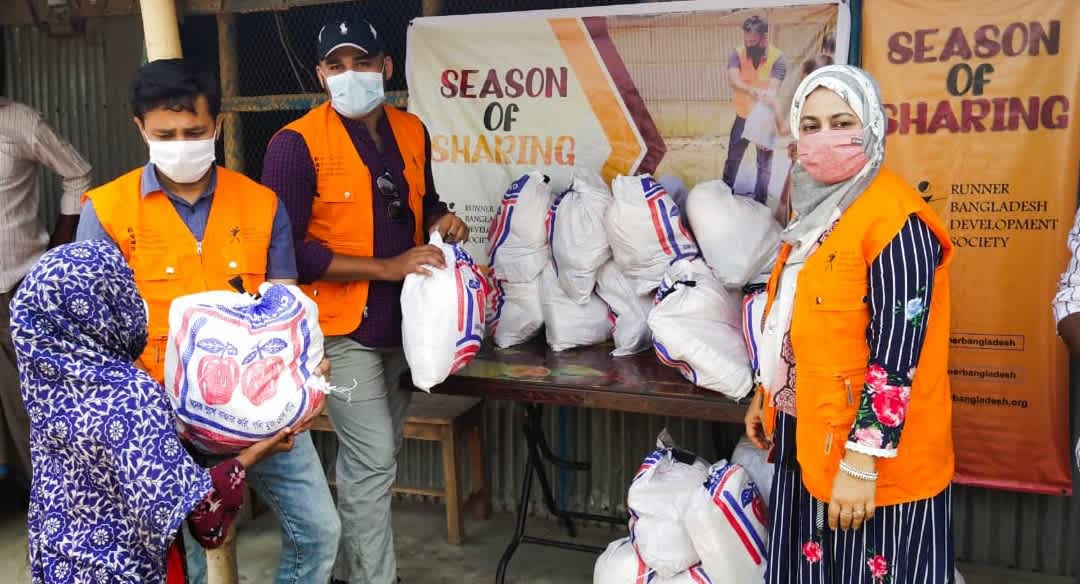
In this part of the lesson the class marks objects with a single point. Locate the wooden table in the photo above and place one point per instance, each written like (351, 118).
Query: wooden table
(534, 376)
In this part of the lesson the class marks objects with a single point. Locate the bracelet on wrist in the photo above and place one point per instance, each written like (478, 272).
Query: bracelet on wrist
(862, 475)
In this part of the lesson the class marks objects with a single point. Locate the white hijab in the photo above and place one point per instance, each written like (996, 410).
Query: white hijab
(816, 204)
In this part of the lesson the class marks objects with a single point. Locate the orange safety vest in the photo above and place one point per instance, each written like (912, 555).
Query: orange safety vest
(756, 77)
(167, 260)
(828, 338)
(342, 214)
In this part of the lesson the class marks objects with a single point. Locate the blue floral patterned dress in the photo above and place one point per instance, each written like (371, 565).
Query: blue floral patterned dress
(111, 481)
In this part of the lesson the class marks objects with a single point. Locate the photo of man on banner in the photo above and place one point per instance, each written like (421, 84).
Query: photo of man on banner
(755, 72)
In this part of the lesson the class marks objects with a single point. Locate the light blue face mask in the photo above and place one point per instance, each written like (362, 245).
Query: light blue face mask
(355, 94)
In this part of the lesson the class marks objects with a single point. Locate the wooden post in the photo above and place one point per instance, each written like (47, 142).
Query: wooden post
(160, 29)
(230, 87)
(221, 562)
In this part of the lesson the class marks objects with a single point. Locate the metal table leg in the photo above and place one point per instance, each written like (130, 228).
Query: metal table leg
(538, 451)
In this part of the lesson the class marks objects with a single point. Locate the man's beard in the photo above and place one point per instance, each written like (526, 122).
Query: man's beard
(756, 53)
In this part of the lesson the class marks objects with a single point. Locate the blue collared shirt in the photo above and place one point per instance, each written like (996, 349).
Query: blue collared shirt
(280, 259)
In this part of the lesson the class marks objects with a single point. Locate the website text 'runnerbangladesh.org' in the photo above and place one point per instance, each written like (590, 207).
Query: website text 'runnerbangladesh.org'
(975, 400)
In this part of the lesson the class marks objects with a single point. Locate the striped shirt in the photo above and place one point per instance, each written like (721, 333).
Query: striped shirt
(1067, 299)
(901, 284)
(26, 143)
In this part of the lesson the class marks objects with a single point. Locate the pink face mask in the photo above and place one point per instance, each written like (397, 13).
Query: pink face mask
(832, 156)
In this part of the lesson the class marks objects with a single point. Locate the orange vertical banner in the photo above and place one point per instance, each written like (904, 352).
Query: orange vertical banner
(981, 97)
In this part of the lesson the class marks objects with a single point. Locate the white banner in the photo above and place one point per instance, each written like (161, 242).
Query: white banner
(620, 89)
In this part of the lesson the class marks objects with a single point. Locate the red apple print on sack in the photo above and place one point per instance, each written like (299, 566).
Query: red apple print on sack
(259, 382)
(218, 372)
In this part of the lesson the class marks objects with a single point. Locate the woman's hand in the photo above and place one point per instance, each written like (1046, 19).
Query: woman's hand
(256, 453)
(852, 502)
(309, 419)
(755, 420)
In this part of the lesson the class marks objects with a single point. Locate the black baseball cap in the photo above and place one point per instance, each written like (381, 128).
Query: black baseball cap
(349, 33)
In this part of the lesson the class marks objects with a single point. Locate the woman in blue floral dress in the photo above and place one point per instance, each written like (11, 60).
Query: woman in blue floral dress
(112, 483)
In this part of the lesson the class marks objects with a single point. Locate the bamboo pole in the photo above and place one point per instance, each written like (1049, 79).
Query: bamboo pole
(160, 29)
(431, 7)
(230, 88)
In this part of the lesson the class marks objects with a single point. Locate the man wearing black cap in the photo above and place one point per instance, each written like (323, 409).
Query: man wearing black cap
(355, 176)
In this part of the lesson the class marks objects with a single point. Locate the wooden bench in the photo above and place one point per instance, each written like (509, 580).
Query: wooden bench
(448, 420)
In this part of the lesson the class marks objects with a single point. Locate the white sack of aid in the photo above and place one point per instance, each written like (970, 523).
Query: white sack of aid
(645, 230)
(518, 240)
(517, 254)
(620, 564)
(513, 311)
(728, 522)
(575, 226)
(442, 316)
(696, 326)
(657, 500)
(239, 368)
(738, 236)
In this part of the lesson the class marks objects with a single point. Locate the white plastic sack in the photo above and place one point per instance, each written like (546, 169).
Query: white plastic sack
(645, 230)
(620, 564)
(568, 324)
(696, 326)
(958, 577)
(579, 245)
(514, 315)
(727, 522)
(738, 236)
(630, 308)
(517, 238)
(757, 465)
(678, 191)
(760, 127)
(442, 317)
(239, 369)
(657, 501)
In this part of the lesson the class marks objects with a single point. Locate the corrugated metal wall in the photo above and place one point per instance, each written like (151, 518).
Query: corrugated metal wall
(996, 528)
(80, 85)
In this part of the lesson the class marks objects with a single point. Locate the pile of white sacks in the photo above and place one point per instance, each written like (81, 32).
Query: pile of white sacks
(694, 523)
(691, 522)
(594, 264)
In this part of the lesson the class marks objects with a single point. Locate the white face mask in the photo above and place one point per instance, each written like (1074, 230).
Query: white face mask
(354, 94)
(183, 161)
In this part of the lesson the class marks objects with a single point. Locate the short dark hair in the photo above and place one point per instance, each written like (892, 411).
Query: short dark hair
(174, 84)
(756, 24)
(829, 42)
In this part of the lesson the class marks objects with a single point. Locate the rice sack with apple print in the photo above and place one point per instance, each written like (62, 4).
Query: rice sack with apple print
(239, 368)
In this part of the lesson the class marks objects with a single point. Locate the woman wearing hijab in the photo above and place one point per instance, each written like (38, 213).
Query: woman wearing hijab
(783, 127)
(112, 482)
(853, 358)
